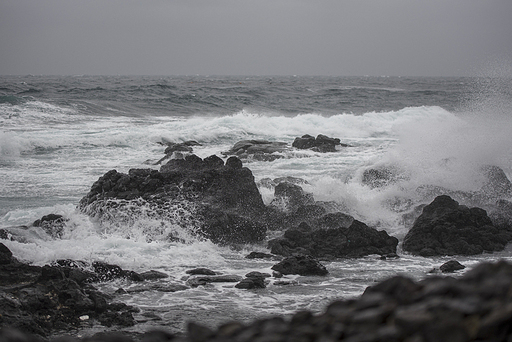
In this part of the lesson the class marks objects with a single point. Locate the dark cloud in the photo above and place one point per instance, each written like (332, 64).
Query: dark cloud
(253, 37)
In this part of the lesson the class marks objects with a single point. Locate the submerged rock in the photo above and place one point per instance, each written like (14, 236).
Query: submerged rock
(447, 228)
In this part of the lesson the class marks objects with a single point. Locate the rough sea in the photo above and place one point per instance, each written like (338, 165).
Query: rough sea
(59, 134)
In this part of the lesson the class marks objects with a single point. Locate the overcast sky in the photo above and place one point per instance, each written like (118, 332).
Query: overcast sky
(253, 37)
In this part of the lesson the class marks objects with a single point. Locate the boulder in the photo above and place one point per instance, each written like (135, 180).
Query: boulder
(289, 197)
(334, 235)
(381, 176)
(304, 265)
(261, 150)
(447, 228)
(212, 200)
(44, 300)
(52, 224)
(321, 143)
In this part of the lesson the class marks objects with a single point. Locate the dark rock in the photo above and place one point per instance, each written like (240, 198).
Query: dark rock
(447, 228)
(201, 271)
(451, 266)
(205, 279)
(220, 202)
(5, 255)
(302, 265)
(382, 176)
(334, 235)
(52, 224)
(261, 150)
(251, 283)
(259, 255)
(152, 275)
(322, 143)
(289, 197)
(42, 300)
(107, 271)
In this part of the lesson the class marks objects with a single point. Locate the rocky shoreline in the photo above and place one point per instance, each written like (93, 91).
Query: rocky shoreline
(223, 205)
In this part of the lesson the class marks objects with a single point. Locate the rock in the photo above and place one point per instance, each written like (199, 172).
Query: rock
(259, 255)
(5, 255)
(52, 224)
(216, 201)
(474, 307)
(201, 271)
(253, 280)
(447, 228)
(153, 275)
(261, 150)
(322, 143)
(205, 279)
(334, 235)
(289, 197)
(303, 265)
(382, 176)
(451, 266)
(43, 300)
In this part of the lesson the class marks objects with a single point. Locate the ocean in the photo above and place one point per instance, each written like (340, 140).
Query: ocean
(59, 134)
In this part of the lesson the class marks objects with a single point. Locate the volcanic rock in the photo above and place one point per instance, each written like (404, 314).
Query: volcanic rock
(261, 150)
(322, 143)
(303, 265)
(216, 201)
(334, 235)
(447, 228)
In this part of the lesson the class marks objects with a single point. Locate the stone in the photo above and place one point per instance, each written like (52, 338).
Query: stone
(302, 265)
(447, 228)
(334, 235)
(201, 271)
(321, 143)
(451, 266)
(219, 202)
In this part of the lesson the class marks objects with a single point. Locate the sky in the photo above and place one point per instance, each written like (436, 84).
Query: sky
(254, 37)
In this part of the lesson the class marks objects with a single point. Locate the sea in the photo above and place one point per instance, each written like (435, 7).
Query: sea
(59, 134)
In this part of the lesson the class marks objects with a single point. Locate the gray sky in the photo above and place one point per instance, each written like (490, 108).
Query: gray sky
(254, 37)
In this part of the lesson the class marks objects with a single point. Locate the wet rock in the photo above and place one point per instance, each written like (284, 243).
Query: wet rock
(221, 202)
(5, 255)
(451, 266)
(447, 228)
(52, 224)
(201, 271)
(153, 275)
(259, 255)
(334, 235)
(205, 279)
(261, 150)
(382, 176)
(289, 197)
(302, 265)
(321, 143)
(41, 300)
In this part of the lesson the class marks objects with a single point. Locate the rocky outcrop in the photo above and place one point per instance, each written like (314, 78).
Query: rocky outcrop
(334, 235)
(289, 197)
(41, 300)
(261, 150)
(221, 202)
(321, 143)
(303, 265)
(447, 228)
(474, 307)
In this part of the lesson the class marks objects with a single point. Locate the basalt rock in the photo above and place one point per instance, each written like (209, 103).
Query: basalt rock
(447, 228)
(303, 265)
(42, 300)
(473, 307)
(216, 201)
(261, 150)
(321, 143)
(334, 235)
